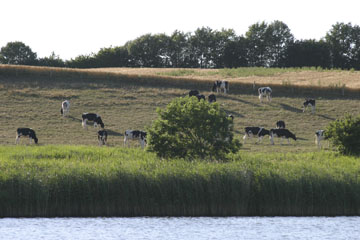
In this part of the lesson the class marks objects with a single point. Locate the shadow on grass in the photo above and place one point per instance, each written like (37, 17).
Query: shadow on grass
(74, 118)
(290, 108)
(113, 133)
(326, 117)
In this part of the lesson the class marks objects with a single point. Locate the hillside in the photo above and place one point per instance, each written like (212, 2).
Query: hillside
(128, 98)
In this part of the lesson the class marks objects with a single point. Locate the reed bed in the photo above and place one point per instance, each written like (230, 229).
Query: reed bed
(83, 181)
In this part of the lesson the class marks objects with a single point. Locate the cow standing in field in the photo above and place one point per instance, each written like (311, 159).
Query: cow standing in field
(193, 93)
(102, 137)
(280, 124)
(212, 98)
(65, 108)
(259, 132)
(281, 133)
(221, 85)
(265, 92)
(319, 136)
(92, 117)
(26, 132)
(135, 135)
(309, 102)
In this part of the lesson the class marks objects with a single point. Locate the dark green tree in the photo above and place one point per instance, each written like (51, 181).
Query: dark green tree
(113, 57)
(344, 42)
(17, 53)
(189, 128)
(257, 37)
(235, 53)
(52, 61)
(308, 53)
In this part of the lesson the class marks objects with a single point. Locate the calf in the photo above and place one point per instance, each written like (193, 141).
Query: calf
(25, 132)
(220, 85)
(281, 133)
(193, 93)
(200, 96)
(309, 102)
(265, 92)
(255, 131)
(92, 117)
(102, 137)
(319, 136)
(280, 124)
(65, 108)
(135, 135)
(212, 98)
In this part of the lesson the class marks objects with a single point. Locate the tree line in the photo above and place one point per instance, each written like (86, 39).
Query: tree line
(263, 45)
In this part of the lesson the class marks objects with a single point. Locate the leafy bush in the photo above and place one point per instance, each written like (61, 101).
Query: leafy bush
(190, 129)
(345, 134)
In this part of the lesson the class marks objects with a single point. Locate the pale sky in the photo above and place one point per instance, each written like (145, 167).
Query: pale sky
(80, 27)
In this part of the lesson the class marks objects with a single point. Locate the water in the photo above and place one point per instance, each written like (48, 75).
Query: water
(181, 228)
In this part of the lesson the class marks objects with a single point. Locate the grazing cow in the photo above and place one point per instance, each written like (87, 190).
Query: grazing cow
(281, 133)
(280, 124)
(260, 132)
(212, 98)
(319, 136)
(265, 92)
(309, 102)
(25, 132)
(200, 96)
(102, 137)
(193, 93)
(65, 108)
(135, 135)
(220, 85)
(92, 117)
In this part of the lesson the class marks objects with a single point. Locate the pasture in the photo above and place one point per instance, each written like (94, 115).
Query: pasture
(32, 96)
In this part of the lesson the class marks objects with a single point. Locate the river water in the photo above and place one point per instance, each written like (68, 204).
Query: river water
(181, 228)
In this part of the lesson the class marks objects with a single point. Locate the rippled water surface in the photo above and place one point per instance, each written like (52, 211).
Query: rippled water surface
(181, 228)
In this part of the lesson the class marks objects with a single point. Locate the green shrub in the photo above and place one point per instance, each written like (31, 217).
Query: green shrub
(344, 134)
(190, 129)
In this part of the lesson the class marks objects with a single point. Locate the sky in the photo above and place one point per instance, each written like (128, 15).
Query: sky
(70, 28)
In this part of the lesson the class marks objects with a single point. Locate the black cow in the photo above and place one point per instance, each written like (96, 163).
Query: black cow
(200, 96)
(280, 124)
(309, 102)
(212, 98)
(135, 135)
(260, 132)
(26, 132)
(281, 133)
(92, 117)
(102, 137)
(193, 93)
(220, 85)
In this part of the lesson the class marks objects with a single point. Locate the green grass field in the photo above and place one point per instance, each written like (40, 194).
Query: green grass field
(31, 97)
(83, 181)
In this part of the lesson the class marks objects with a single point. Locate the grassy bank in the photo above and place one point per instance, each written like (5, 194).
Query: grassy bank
(59, 180)
(32, 96)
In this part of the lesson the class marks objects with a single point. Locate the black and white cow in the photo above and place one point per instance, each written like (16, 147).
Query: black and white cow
(265, 92)
(26, 132)
(200, 96)
(259, 132)
(280, 124)
(102, 137)
(193, 93)
(212, 98)
(65, 108)
(281, 133)
(319, 136)
(309, 102)
(92, 117)
(135, 135)
(220, 85)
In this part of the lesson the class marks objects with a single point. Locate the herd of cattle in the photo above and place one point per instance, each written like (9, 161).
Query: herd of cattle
(264, 93)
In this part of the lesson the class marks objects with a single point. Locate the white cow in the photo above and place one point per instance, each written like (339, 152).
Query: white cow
(265, 92)
(65, 108)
